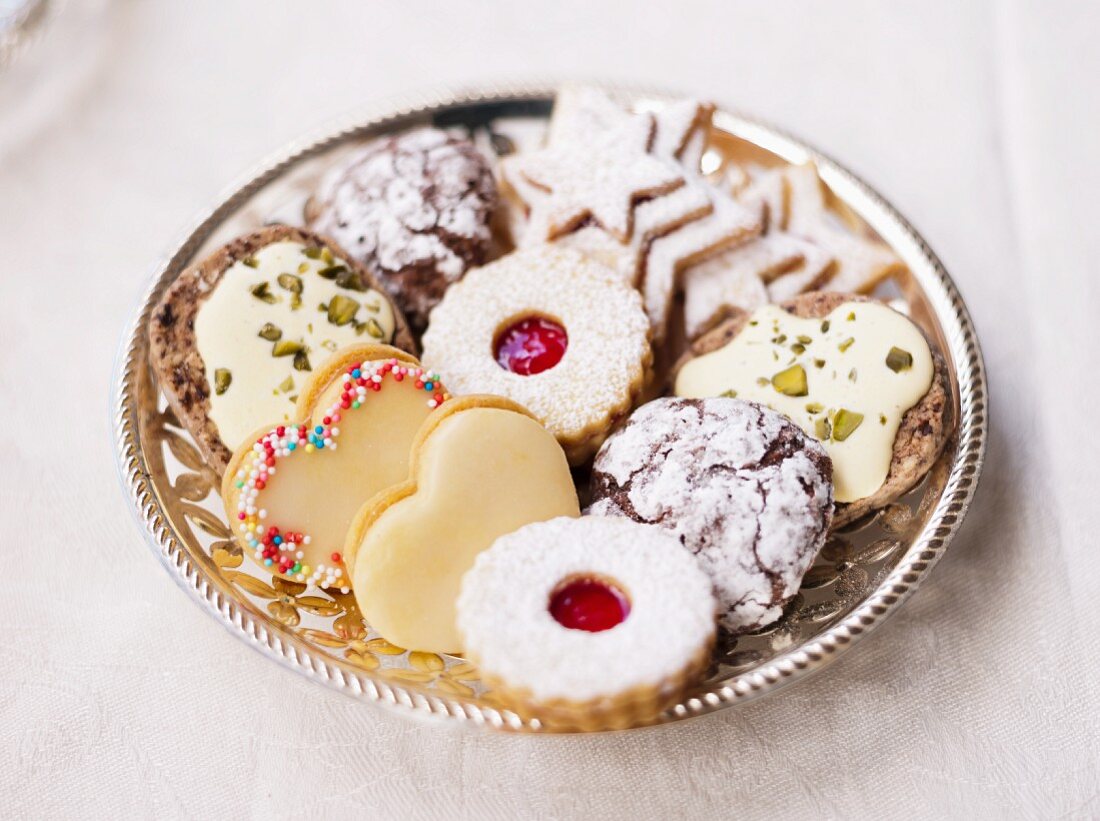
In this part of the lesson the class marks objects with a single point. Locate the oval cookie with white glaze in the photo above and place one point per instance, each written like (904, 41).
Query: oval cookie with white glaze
(851, 372)
(236, 336)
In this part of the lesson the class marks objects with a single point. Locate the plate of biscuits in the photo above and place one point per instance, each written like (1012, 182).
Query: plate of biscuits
(560, 409)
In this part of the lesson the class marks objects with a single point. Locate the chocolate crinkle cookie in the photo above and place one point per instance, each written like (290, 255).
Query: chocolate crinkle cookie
(740, 485)
(415, 209)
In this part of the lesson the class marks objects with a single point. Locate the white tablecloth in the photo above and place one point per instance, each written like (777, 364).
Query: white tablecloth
(120, 698)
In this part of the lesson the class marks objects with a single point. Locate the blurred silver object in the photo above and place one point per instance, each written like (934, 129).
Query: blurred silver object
(20, 21)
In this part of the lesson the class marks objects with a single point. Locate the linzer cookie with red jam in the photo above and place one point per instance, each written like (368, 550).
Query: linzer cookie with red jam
(292, 490)
(851, 372)
(415, 209)
(739, 485)
(551, 329)
(235, 337)
(589, 623)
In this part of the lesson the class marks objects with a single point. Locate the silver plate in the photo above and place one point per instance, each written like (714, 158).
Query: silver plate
(863, 574)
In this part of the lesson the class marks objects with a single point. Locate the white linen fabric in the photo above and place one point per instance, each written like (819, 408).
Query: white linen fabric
(120, 698)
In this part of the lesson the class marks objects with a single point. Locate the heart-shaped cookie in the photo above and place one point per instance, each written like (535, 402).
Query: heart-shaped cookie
(481, 467)
(292, 490)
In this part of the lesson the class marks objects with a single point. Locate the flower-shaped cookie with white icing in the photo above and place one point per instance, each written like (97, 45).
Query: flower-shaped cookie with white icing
(549, 328)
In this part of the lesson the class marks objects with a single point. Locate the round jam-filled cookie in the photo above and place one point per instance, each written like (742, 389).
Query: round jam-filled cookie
(557, 332)
(851, 372)
(742, 487)
(590, 623)
(479, 468)
(415, 208)
(235, 337)
(293, 489)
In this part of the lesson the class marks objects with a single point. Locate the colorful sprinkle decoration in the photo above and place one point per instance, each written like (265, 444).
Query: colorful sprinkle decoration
(281, 551)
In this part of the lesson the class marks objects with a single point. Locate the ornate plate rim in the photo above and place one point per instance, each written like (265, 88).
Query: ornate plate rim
(795, 664)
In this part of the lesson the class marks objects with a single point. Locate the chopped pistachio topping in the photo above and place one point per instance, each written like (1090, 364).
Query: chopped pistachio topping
(350, 280)
(729, 394)
(846, 344)
(845, 423)
(328, 345)
(819, 363)
(371, 326)
(798, 347)
(851, 316)
(222, 380)
(291, 283)
(852, 375)
(251, 262)
(882, 418)
(262, 293)
(779, 340)
(286, 347)
(301, 361)
(814, 407)
(312, 253)
(791, 382)
(762, 381)
(805, 340)
(303, 267)
(293, 398)
(825, 327)
(326, 255)
(341, 310)
(899, 360)
(822, 429)
(287, 384)
(332, 271)
(270, 332)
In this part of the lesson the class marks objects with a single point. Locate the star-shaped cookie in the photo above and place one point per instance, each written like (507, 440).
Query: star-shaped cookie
(861, 263)
(599, 180)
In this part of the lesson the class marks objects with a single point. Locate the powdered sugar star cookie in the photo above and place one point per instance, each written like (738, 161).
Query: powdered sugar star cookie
(861, 263)
(551, 329)
(770, 268)
(600, 180)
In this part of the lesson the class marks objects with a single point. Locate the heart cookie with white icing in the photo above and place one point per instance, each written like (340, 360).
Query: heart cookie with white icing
(481, 467)
(293, 489)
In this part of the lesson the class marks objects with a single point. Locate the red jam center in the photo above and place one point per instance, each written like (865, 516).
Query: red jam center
(589, 604)
(531, 345)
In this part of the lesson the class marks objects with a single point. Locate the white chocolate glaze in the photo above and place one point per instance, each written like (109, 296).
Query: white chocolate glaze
(845, 368)
(228, 325)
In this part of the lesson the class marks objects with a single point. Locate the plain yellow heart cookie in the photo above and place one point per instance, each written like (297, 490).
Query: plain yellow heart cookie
(292, 489)
(482, 466)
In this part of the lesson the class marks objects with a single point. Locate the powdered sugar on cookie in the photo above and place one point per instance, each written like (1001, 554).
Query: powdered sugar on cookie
(414, 208)
(741, 487)
(604, 365)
